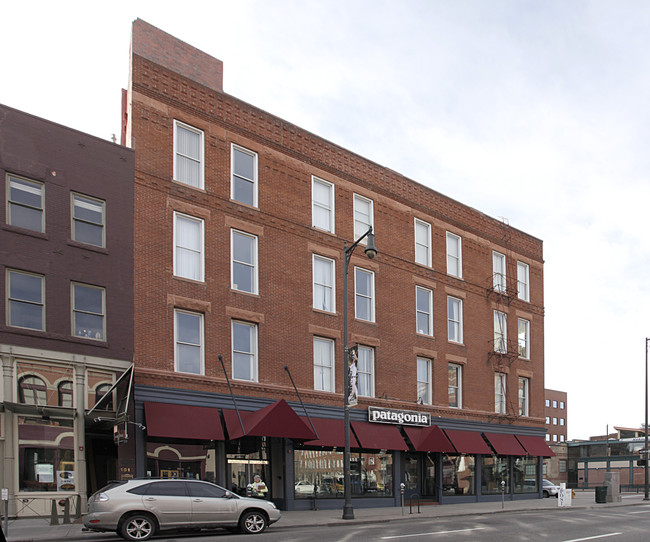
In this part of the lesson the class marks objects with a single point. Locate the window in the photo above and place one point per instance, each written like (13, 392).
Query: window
(499, 271)
(363, 216)
(524, 384)
(88, 220)
(562, 405)
(561, 421)
(454, 384)
(322, 204)
(188, 155)
(548, 437)
(422, 243)
(548, 420)
(455, 319)
(523, 287)
(562, 440)
(554, 438)
(424, 381)
(424, 310)
(189, 342)
(65, 393)
(454, 255)
(25, 207)
(244, 176)
(554, 421)
(548, 402)
(188, 243)
(32, 390)
(244, 262)
(554, 404)
(364, 288)
(324, 277)
(500, 332)
(244, 351)
(366, 371)
(88, 311)
(323, 364)
(26, 300)
(500, 393)
(100, 391)
(563, 462)
(524, 338)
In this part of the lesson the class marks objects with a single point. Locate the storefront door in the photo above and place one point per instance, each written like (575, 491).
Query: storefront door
(420, 476)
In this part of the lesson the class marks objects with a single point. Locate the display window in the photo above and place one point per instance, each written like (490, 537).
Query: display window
(525, 478)
(458, 474)
(494, 470)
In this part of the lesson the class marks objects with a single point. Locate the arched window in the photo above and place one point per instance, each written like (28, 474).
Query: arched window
(32, 390)
(65, 393)
(102, 390)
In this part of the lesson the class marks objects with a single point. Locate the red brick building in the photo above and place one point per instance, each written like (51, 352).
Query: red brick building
(555, 410)
(240, 225)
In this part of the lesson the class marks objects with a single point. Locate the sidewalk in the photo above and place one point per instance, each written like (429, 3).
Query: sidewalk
(27, 530)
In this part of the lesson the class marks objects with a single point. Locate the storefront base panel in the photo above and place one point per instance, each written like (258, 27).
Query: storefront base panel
(337, 504)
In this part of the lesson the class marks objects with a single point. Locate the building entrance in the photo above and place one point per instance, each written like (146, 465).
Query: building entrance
(420, 476)
(242, 469)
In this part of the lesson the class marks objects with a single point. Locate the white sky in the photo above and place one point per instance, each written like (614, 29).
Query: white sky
(536, 111)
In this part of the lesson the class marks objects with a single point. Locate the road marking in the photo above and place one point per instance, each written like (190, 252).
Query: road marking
(641, 512)
(435, 532)
(593, 537)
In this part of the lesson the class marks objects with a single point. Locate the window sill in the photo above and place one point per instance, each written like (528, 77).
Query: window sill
(424, 335)
(322, 311)
(191, 281)
(181, 184)
(245, 205)
(24, 231)
(242, 292)
(86, 246)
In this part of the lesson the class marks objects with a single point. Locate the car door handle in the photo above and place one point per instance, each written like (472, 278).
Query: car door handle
(150, 498)
(197, 500)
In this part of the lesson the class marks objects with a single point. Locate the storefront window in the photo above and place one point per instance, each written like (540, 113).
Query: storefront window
(458, 475)
(171, 460)
(525, 475)
(494, 470)
(46, 454)
(320, 473)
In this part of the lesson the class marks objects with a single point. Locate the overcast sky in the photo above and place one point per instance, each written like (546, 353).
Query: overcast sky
(534, 111)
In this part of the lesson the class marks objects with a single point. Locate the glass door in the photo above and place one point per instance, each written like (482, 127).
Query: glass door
(411, 476)
(242, 469)
(429, 477)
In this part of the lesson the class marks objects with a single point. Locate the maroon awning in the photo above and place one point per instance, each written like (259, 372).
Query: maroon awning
(535, 446)
(183, 421)
(275, 420)
(330, 433)
(429, 439)
(468, 442)
(505, 444)
(376, 436)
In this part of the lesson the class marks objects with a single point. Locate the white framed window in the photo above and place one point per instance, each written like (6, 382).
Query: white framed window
(88, 220)
(523, 281)
(547, 402)
(366, 371)
(363, 216)
(424, 310)
(324, 283)
(454, 319)
(244, 262)
(88, 311)
(188, 155)
(500, 393)
(524, 385)
(554, 438)
(188, 247)
(25, 300)
(424, 381)
(323, 364)
(548, 439)
(523, 330)
(364, 294)
(562, 440)
(189, 343)
(554, 403)
(561, 421)
(244, 351)
(25, 203)
(455, 385)
(554, 421)
(322, 204)
(562, 404)
(499, 271)
(454, 255)
(500, 332)
(244, 175)
(423, 243)
(548, 420)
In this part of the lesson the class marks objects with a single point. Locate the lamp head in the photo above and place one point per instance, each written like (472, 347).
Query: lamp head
(371, 249)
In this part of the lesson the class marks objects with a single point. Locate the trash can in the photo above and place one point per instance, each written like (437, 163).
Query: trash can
(601, 494)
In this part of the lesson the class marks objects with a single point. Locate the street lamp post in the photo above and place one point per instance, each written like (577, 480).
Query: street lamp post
(371, 252)
(645, 447)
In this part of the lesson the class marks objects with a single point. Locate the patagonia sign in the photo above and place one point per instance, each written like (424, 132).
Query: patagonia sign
(404, 417)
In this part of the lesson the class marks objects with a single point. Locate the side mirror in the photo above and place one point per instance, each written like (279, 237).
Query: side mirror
(229, 495)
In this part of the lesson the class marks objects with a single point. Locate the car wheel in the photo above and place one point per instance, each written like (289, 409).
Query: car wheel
(546, 495)
(138, 527)
(252, 522)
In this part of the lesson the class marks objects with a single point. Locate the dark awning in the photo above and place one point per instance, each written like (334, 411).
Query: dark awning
(183, 421)
(330, 433)
(275, 420)
(429, 439)
(505, 444)
(376, 436)
(535, 446)
(468, 442)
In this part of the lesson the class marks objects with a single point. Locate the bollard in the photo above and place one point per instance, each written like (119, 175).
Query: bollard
(54, 517)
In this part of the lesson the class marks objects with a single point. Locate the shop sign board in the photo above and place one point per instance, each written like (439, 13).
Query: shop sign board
(403, 417)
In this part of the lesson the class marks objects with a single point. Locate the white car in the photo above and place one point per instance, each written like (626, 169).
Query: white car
(304, 488)
(550, 489)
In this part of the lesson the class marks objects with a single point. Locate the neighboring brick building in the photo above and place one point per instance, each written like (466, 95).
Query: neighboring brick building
(66, 331)
(555, 410)
(240, 224)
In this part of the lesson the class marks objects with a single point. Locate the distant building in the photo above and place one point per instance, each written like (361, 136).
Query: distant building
(556, 412)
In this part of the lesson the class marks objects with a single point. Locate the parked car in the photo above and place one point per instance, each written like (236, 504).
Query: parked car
(549, 489)
(304, 488)
(138, 509)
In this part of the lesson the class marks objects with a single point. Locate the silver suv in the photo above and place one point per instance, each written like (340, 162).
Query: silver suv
(138, 509)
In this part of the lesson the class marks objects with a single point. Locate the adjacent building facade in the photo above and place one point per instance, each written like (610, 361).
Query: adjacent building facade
(555, 409)
(66, 314)
(241, 225)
